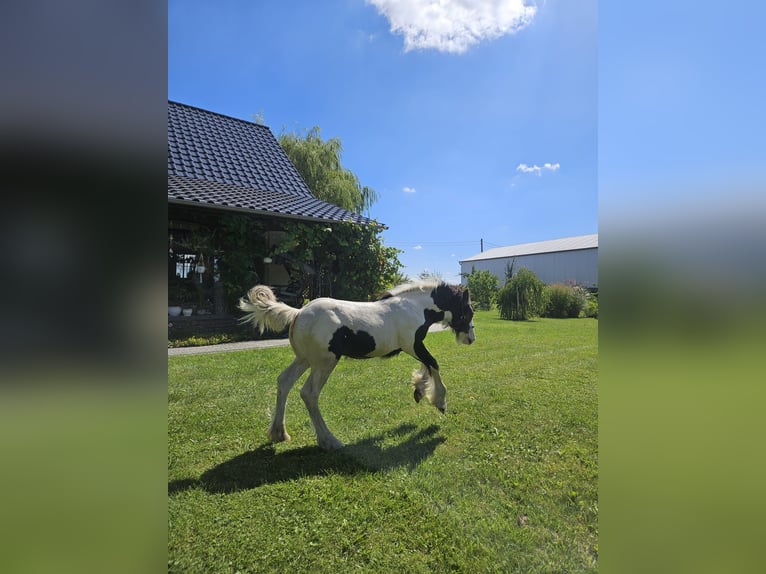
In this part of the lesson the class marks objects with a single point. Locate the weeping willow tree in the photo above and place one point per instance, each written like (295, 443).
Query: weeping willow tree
(361, 265)
(523, 296)
(319, 163)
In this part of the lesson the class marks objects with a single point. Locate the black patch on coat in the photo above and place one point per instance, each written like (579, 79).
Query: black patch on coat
(392, 353)
(421, 352)
(431, 317)
(346, 342)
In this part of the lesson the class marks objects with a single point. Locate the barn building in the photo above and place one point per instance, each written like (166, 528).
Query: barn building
(566, 260)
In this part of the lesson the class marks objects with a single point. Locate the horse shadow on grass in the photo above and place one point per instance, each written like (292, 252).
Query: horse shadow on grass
(266, 466)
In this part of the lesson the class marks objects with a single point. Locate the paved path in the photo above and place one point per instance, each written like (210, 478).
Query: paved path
(245, 345)
(223, 347)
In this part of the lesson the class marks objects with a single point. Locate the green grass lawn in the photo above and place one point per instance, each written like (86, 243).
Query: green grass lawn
(506, 481)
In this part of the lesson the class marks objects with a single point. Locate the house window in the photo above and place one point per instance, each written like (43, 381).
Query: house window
(185, 265)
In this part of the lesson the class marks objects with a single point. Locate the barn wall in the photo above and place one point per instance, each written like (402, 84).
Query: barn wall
(580, 266)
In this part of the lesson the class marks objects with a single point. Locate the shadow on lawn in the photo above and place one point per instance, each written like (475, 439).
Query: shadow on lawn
(265, 466)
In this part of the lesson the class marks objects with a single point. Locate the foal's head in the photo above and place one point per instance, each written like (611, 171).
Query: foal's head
(456, 300)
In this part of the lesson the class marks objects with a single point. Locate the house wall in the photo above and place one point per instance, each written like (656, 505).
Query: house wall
(579, 266)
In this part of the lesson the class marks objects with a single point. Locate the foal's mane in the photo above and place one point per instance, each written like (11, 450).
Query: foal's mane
(410, 287)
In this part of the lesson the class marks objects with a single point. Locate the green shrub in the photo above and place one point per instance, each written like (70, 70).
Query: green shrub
(523, 296)
(562, 302)
(212, 339)
(483, 287)
(583, 297)
(567, 301)
(591, 306)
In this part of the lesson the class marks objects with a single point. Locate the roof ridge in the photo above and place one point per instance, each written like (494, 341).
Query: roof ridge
(555, 239)
(569, 243)
(260, 126)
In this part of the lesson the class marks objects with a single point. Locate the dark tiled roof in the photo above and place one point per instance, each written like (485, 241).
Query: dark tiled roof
(234, 164)
(234, 197)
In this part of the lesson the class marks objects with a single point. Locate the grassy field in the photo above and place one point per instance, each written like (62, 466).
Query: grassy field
(506, 481)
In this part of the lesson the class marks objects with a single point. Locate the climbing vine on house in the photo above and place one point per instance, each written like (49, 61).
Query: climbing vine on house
(352, 256)
(241, 243)
(359, 265)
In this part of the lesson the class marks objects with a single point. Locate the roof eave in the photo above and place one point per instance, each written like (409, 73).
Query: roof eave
(254, 211)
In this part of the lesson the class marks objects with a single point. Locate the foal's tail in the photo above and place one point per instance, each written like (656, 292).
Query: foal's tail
(264, 311)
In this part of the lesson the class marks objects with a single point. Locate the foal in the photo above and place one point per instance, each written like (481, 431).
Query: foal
(327, 329)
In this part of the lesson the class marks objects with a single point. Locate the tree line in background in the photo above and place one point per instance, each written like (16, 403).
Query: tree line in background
(524, 296)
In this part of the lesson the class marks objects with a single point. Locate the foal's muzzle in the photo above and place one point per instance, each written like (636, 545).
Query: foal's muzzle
(466, 338)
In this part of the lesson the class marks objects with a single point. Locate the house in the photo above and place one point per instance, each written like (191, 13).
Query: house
(566, 260)
(219, 166)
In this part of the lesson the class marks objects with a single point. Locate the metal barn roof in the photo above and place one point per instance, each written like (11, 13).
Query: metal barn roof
(550, 246)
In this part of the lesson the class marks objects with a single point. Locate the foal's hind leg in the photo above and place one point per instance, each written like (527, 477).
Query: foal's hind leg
(310, 395)
(285, 382)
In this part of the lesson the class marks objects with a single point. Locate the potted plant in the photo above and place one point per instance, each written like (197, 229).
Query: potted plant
(174, 298)
(188, 297)
(182, 294)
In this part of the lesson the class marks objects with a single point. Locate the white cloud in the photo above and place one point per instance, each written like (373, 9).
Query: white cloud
(408, 189)
(454, 25)
(418, 247)
(524, 168)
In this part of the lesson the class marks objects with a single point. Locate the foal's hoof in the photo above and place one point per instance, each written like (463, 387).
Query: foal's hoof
(330, 444)
(417, 395)
(278, 436)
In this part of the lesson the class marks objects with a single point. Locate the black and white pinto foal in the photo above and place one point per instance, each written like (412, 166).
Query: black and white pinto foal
(327, 329)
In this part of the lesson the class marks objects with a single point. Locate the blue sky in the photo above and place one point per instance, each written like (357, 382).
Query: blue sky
(681, 107)
(470, 125)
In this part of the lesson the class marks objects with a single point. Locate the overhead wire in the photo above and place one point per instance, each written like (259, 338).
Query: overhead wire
(441, 243)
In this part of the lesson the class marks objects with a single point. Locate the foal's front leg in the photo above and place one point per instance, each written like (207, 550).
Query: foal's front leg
(310, 395)
(285, 381)
(427, 380)
(439, 397)
(428, 383)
